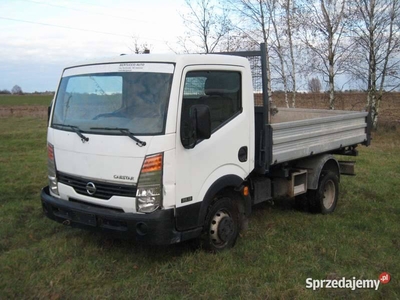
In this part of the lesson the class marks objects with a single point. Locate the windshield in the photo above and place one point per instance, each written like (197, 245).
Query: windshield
(132, 96)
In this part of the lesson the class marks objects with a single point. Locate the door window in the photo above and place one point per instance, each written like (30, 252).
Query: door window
(219, 90)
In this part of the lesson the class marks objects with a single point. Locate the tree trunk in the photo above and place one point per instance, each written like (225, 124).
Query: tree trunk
(331, 59)
(265, 38)
(372, 92)
(289, 18)
(279, 51)
(331, 88)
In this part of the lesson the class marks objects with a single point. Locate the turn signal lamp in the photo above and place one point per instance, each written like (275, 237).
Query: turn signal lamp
(149, 190)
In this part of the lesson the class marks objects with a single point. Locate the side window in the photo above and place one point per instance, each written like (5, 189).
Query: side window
(219, 90)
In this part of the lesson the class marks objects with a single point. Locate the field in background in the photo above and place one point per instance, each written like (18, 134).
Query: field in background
(26, 105)
(16, 100)
(36, 105)
(272, 260)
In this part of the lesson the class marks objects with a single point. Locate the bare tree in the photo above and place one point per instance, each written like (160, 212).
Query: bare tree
(324, 27)
(281, 16)
(16, 90)
(377, 32)
(140, 47)
(256, 25)
(314, 85)
(278, 46)
(207, 25)
(237, 40)
(289, 8)
(275, 18)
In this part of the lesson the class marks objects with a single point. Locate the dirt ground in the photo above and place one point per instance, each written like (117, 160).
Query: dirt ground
(389, 113)
(23, 111)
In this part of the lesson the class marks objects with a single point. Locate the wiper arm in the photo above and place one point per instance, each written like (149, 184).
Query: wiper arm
(75, 129)
(124, 131)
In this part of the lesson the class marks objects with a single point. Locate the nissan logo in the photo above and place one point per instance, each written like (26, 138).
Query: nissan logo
(90, 188)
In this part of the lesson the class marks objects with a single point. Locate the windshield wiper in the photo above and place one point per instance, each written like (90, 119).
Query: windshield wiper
(75, 129)
(124, 131)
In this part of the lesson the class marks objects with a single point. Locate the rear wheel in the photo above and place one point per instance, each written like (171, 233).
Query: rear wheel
(221, 226)
(301, 202)
(324, 199)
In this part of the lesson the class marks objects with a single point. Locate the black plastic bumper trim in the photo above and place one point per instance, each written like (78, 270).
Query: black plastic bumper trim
(157, 228)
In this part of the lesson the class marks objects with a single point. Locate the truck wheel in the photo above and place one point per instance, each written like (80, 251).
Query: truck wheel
(301, 202)
(324, 199)
(221, 225)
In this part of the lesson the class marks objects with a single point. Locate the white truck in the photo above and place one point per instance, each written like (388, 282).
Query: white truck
(167, 148)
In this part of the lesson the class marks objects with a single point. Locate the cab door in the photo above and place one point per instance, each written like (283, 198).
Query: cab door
(225, 152)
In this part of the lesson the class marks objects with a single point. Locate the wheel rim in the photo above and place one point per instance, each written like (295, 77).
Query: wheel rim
(221, 229)
(329, 194)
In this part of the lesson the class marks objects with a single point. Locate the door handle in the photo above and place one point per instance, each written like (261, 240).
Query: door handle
(242, 154)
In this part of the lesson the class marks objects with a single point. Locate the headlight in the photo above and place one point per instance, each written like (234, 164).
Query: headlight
(149, 190)
(149, 198)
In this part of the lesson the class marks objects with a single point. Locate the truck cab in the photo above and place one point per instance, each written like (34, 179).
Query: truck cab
(139, 146)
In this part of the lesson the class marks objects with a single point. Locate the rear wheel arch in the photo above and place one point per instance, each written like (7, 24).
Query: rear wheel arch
(332, 165)
(319, 164)
(322, 184)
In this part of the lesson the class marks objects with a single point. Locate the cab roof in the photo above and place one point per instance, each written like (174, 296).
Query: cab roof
(182, 59)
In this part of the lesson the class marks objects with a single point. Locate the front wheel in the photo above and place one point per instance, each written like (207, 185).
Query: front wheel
(221, 226)
(324, 199)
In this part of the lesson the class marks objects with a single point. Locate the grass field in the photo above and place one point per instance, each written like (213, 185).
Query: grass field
(282, 248)
(7, 100)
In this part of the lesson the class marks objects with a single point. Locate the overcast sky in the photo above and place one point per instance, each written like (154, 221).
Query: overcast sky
(33, 55)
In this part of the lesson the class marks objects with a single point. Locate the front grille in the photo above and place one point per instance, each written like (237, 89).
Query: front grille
(104, 190)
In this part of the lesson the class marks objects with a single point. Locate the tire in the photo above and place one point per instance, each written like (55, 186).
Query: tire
(301, 202)
(324, 198)
(221, 227)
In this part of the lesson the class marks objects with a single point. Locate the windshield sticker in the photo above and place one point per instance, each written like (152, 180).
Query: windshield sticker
(129, 67)
(121, 67)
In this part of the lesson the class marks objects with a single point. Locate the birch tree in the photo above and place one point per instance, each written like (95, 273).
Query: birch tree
(278, 46)
(289, 8)
(323, 34)
(255, 14)
(377, 33)
(281, 15)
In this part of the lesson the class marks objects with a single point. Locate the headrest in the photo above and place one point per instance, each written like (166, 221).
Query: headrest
(222, 83)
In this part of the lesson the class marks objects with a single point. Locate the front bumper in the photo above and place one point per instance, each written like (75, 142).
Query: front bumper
(157, 228)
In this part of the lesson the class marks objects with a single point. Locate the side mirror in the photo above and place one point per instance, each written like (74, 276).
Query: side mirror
(197, 126)
(200, 116)
(49, 110)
